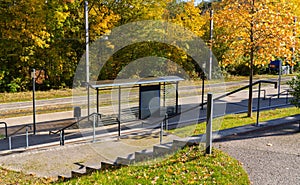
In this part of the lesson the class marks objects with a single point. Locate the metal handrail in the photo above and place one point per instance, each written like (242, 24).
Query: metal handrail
(278, 95)
(5, 124)
(62, 130)
(14, 133)
(72, 124)
(217, 98)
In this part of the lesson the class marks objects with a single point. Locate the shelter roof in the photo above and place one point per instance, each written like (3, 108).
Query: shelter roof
(131, 82)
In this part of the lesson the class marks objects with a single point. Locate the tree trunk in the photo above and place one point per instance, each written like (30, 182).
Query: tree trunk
(250, 100)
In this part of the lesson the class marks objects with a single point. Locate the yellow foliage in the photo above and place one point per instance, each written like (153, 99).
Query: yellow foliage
(264, 29)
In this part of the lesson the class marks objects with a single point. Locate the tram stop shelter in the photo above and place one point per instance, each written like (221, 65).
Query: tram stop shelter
(149, 92)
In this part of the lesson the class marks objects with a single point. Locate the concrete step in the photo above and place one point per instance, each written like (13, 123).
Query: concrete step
(179, 144)
(78, 173)
(125, 161)
(162, 150)
(144, 155)
(64, 177)
(91, 169)
(108, 165)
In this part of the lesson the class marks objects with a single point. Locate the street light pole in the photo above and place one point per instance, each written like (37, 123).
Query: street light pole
(87, 65)
(211, 41)
(211, 30)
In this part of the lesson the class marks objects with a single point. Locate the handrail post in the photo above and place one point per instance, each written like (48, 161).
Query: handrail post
(119, 128)
(166, 122)
(5, 127)
(258, 105)
(27, 141)
(94, 129)
(9, 143)
(161, 132)
(62, 137)
(209, 119)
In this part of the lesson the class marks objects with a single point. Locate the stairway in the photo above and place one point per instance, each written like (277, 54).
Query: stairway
(157, 151)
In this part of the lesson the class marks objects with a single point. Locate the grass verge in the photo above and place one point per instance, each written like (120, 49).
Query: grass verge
(236, 120)
(27, 96)
(188, 166)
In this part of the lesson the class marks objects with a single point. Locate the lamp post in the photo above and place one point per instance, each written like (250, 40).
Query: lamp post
(211, 29)
(87, 65)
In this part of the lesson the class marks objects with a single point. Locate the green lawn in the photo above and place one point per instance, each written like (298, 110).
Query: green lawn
(188, 166)
(235, 120)
(27, 96)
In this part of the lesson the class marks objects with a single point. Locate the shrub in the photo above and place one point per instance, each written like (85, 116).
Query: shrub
(295, 92)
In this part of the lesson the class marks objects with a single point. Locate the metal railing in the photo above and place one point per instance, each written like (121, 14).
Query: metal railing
(62, 130)
(285, 92)
(165, 120)
(14, 134)
(5, 128)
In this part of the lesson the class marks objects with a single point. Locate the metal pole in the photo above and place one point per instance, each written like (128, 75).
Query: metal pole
(209, 119)
(87, 65)
(119, 128)
(88, 101)
(258, 105)
(211, 42)
(119, 114)
(94, 128)
(164, 99)
(166, 122)
(27, 142)
(161, 132)
(33, 100)
(279, 77)
(202, 90)
(97, 99)
(119, 105)
(176, 98)
(60, 138)
(9, 143)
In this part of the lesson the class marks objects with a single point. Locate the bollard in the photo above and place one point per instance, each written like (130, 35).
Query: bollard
(209, 119)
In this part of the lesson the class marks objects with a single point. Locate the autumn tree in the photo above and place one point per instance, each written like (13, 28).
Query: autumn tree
(22, 33)
(255, 31)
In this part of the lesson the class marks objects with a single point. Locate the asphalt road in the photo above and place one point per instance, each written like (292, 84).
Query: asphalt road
(81, 99)
(270, 156)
